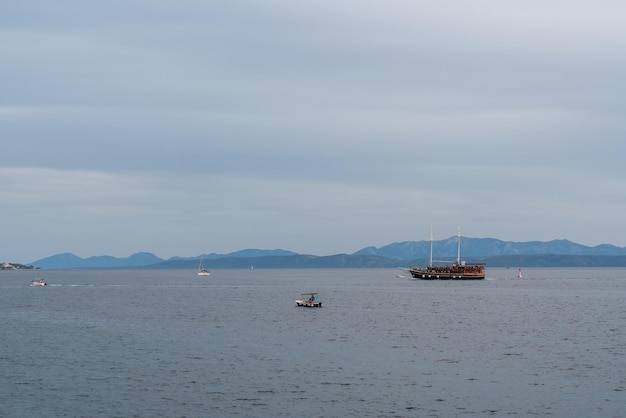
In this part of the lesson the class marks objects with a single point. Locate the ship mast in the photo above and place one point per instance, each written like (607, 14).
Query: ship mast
(458, 256)
(430, 263)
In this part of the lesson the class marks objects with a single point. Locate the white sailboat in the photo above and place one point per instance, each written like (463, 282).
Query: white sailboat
(201, 270)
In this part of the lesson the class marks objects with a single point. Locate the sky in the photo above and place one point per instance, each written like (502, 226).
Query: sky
(321, 127)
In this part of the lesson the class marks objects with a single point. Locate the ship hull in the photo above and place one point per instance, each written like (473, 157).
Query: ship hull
(447, 273)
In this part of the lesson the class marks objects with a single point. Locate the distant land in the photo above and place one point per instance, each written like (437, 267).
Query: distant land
(494, 252)
(15, 266)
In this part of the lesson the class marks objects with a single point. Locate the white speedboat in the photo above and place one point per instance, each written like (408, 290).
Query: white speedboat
(310, 301)
(39, 282)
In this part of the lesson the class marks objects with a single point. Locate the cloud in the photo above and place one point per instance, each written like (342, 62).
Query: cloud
(318, 127)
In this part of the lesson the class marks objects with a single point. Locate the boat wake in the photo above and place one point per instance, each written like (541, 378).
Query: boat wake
(71, 285)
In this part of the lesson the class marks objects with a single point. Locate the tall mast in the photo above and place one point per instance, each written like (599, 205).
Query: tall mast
(458, 256)
(430, 263)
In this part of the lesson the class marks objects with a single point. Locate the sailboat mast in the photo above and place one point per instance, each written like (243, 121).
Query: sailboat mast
(430, 262)
(458, 254)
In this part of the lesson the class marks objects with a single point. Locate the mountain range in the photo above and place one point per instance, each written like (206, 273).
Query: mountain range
(494, 252)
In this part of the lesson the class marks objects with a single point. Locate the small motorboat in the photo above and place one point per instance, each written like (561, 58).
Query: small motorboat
(39, 282)
(310, 301)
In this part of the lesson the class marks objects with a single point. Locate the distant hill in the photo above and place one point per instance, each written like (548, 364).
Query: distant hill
(485, 247)
(554, 260)
(374, 261)
(240, 253)
(496, 253)
(290, 261)
(71, 261)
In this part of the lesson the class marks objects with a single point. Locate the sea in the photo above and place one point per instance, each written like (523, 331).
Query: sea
(168, 343)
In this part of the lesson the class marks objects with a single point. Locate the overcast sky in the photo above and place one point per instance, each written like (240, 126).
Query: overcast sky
(321, 127)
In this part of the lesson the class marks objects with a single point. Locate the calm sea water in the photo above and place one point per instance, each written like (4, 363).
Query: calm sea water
(148, 343)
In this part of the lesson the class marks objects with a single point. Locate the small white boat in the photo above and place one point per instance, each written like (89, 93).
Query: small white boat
(309, 302)
(201, 270)
(39, 282)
